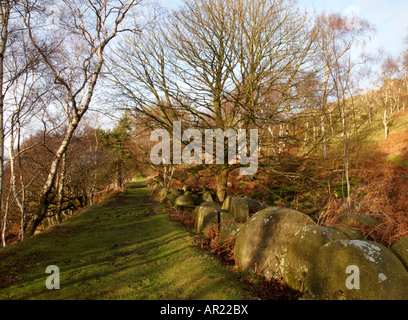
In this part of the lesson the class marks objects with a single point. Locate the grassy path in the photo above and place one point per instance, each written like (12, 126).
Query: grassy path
(124, 248)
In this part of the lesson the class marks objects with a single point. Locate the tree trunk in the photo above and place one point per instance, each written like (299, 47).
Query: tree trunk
(61, 185)
(222, 180)
(385, 122)
(314, 134)
(323, 111)
(305, 138)
(273, 142)
(323, 131)
(4, 19)
(342, 111)
(118, 174)
(331, 124)
(13, 179)
(95, 163)
(44, 201)
(282, 138)
(4, 227)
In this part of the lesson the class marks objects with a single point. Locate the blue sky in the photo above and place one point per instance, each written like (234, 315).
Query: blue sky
(390, 18)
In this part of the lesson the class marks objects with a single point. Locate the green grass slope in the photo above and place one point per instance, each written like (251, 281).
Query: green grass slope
(125, 248)
(373, 133)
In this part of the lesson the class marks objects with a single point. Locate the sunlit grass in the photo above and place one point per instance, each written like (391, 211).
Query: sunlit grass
(119, 249)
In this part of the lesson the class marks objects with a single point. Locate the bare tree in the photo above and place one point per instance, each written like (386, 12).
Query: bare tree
(6, 8)
(389, 75)
(74, 57)
(211, 64)
(338, 38)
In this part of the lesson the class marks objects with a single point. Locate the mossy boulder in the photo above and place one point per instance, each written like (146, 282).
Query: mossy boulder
(254, 205)
(226, 216)
(351, 233)
(207, 216)
(301, 251)
(167, 195)
(197, 199)
(195, 212)
(184, 202)
(241, 207)
(228, 226)
(186, 188)
(356, 270)
(161, 194)
(262, 242)
(400, 249)
(238, 207)
(228, 230)
(207, 197)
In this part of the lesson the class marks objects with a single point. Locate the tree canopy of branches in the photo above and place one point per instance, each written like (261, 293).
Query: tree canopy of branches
(210, 64)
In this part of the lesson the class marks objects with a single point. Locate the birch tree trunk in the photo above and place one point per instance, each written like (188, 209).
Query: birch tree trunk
(323, 132)
(5, 8)
(342, 111)
(4, 226)
(275, 154)
(105, 29)
(61, 185)
(95, 163)
(306, 132)
(13, 180)
(385, 123)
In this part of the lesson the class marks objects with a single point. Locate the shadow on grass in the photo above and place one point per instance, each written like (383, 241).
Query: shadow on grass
(125, 248)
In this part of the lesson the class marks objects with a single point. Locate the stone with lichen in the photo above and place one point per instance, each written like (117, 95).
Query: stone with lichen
(262, 242)
(301, 251)
(356, 270)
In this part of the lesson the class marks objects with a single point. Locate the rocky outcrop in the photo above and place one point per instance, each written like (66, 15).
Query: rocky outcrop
(238, 207)
(351, 233)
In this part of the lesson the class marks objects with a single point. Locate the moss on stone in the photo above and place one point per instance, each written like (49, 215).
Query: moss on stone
(301, 251)
(262, 242)
(380, 274)
(400, 249)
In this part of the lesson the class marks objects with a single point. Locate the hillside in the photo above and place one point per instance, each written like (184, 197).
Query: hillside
(384, 169)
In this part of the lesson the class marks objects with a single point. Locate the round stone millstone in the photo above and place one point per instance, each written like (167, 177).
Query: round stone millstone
(356, 270)
(400, 249)
(301, 251)
(262, 242)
